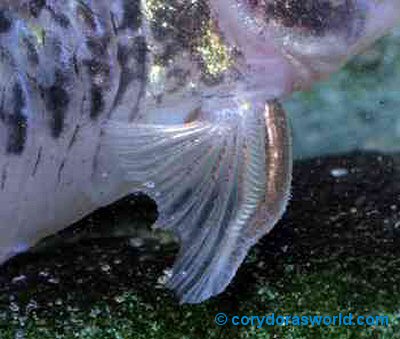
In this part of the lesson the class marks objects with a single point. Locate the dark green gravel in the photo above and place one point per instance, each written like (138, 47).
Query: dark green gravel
(336, 250)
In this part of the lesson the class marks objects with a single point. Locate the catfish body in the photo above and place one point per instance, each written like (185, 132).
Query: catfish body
(69, 67)
(58, 81)
(175, 99)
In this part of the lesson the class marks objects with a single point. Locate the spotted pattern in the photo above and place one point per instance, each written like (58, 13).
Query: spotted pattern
(5, 22)
(56, 99)
(16, 122)
(89, 59)
(316, 16)
(36, 6)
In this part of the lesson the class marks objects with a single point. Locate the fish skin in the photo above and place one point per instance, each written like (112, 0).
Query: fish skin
(172, 98)
(58, 58)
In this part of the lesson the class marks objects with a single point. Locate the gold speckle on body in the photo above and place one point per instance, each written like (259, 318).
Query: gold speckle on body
(215, 55)
(151, 7)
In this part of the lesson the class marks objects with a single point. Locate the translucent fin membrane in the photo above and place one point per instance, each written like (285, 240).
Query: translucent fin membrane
(219, 187)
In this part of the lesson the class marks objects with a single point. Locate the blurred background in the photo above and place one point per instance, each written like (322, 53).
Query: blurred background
(357, 108)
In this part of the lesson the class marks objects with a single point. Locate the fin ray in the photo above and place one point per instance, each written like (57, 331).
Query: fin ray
(219, 185)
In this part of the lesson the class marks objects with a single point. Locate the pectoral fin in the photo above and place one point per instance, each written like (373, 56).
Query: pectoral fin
(219, 185)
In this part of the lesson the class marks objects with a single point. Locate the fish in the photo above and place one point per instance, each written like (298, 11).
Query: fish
(179, 100)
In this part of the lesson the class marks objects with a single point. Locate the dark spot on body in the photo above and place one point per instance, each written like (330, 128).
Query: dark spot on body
(98, 46)
(5, 22)
(32, 53)
(132, 17)
(137, 51)
(17, 134)
(17, 123)
(86, 14)
(317, 16)
(114, 23)
(126, 75)
(57, 100)
(97, 105)
(2, 113)
(99, 73)
(97, 68)
(141, 74)
(140, 48)
(36, 6)
(3, 178)
(75, 63)
(123, 55)
(59, 18)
